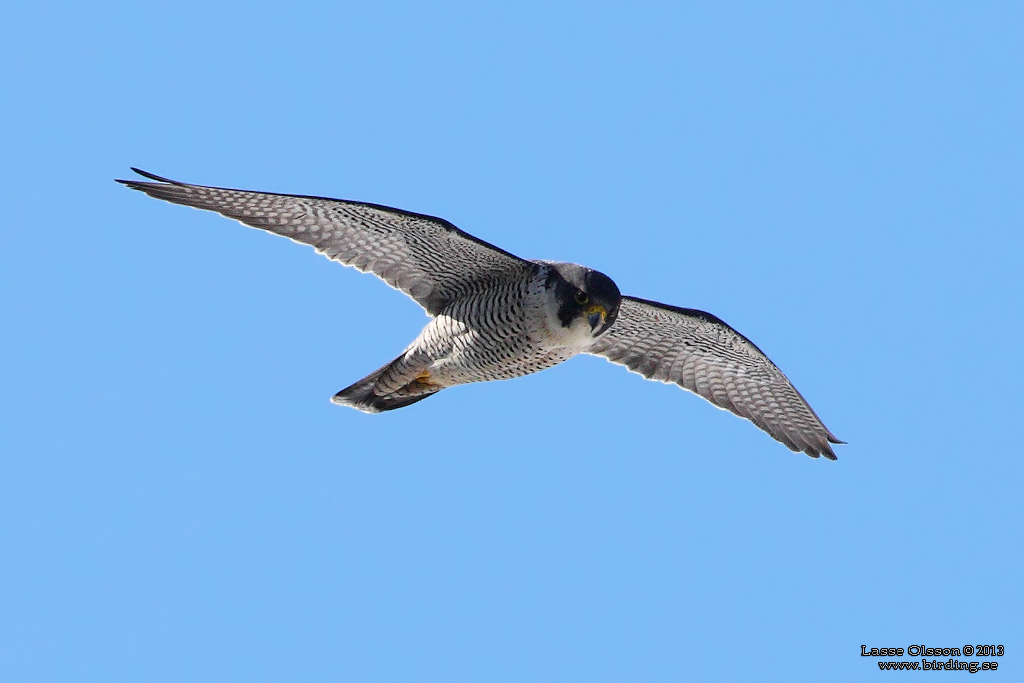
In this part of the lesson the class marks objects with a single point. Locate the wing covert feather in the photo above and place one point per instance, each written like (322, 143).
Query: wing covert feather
(701, 353)
(428, 258)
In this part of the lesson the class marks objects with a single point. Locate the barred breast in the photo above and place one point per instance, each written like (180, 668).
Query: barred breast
(499, 331)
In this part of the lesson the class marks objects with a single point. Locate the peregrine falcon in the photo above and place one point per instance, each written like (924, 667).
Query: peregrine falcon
(497, 316)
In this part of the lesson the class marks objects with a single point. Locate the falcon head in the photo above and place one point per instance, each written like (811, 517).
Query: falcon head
(584, 295)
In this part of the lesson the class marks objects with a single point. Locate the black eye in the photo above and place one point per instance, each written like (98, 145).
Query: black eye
(581, 297)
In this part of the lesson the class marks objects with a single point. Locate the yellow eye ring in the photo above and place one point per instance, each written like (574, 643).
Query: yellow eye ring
(581, 297)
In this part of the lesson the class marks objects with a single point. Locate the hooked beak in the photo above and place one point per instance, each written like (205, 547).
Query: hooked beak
(596, 315)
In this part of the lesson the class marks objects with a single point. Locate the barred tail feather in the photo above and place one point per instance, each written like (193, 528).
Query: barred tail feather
(362, 395)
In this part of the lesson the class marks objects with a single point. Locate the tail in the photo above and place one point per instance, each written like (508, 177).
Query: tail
(371, 396)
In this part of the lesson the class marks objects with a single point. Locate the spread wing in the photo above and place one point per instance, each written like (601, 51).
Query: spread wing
(427, 258)
(701, 353)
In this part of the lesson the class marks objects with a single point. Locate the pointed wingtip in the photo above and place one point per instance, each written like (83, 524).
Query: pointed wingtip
(820, 450)
(153, 176)
(139, 185)
(827, 451)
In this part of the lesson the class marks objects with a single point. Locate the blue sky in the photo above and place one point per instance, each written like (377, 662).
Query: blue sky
(179, 500)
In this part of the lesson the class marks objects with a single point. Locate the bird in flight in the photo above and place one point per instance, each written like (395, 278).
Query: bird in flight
(497, 316)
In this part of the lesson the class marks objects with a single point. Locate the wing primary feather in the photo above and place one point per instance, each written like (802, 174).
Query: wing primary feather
(701, 353)
(426, 257)
(153, 176)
